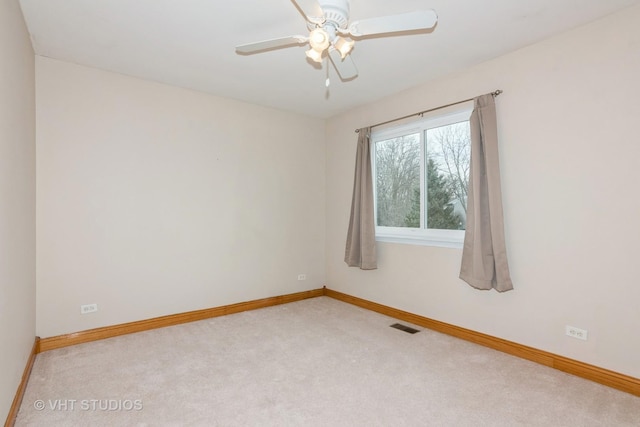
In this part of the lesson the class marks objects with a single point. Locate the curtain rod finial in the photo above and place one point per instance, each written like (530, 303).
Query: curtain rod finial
(496, 93)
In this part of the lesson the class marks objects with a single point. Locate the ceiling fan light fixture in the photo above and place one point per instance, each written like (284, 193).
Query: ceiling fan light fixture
(343, 46)
(319, 39)
(314, 55)
(332, 34)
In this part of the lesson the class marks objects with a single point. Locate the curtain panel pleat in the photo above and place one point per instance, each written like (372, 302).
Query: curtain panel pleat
(484, 255)
(360, 250)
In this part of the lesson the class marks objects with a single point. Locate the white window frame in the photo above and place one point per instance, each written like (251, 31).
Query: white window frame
(418, 236)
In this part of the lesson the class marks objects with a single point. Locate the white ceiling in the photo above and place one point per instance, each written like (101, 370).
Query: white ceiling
(191, 43)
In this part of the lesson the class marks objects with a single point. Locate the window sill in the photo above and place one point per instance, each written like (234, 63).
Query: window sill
(443, 239)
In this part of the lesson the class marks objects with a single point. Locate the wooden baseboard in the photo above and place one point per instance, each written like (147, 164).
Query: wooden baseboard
(593, 373)
(170, 320)
(590, 372)
(17, 400)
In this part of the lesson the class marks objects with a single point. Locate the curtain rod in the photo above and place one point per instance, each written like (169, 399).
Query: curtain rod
(494, 93)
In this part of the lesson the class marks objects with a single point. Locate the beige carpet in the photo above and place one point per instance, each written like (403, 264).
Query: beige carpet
(317, 362)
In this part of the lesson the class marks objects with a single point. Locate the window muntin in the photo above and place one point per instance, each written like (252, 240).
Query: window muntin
(421, 174)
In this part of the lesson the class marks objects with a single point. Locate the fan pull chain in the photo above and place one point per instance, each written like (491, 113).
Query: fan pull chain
(327, 82)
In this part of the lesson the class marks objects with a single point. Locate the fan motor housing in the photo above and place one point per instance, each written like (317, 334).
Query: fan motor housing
(336, 12)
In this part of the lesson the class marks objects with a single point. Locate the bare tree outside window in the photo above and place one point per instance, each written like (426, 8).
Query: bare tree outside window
(450, 148)
(397, 164)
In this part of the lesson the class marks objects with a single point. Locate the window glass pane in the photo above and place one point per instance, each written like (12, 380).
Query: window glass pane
(448, 161)
(397, 177)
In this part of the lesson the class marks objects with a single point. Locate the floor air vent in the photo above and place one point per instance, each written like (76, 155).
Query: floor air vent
(405, 328)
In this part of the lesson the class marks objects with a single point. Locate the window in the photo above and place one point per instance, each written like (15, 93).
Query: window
(421, 175)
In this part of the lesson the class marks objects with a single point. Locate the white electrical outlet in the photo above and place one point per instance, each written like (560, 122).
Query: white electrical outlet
(578, 333)
(302, 277)
(88, 308)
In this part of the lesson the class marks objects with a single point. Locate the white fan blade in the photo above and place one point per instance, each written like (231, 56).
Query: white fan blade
(346, 68)
(418, 20)
(311, 10)
(271, 44)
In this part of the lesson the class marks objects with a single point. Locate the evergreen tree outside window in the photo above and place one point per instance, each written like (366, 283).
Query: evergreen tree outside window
(421, 175)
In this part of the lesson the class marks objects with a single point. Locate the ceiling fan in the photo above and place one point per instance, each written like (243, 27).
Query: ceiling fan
(329, 27)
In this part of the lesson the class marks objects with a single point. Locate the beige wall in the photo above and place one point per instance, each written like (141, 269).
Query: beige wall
(17, 201)
(155, 200)
(569, 151)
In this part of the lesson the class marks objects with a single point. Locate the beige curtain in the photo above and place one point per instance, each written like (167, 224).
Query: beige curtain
(484, 255)
(361, 237)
